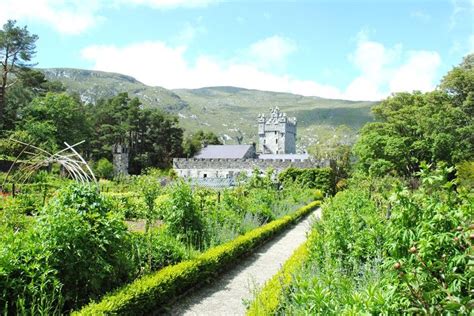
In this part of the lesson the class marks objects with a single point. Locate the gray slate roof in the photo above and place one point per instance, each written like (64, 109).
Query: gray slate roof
(224, 151)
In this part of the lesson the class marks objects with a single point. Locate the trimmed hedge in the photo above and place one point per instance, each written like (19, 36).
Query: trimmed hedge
(317, 178)
(155, 290)
(268, 299)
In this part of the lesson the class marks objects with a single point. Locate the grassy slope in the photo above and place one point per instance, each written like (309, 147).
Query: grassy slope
(227, 111)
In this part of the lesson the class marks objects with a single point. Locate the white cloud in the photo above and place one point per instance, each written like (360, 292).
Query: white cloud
(75, 16)
(381, 70)
(156, 63)
(384, 70)
(417, 73)
(68, 17)
(271, 51)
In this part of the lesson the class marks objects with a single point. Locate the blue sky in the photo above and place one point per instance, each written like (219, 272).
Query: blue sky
(337, 49)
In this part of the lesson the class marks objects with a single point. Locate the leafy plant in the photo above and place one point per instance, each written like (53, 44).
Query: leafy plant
(182, 216)
(88, 242)
(29, 284)
(104, 168)
(156, 249)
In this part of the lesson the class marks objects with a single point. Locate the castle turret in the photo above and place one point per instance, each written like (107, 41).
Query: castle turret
(277, 134)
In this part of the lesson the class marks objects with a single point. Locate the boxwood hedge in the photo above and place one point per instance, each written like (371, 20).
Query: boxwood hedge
(268, 299)
(155, 290)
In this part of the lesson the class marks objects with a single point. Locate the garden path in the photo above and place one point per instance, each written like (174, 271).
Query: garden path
(226, 295)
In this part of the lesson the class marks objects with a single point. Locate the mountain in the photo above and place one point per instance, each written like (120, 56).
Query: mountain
(227, 111)
(94, 85)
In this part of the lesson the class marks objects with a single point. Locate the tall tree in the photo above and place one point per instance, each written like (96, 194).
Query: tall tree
(17, 48)
(31, 84)
(459, 84)
(54, 119)
(194, 143)
(416, 127)
(152, 137)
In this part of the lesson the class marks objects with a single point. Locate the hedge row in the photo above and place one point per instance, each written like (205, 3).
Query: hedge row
(316, 178)
(268, 299)
(153, 291)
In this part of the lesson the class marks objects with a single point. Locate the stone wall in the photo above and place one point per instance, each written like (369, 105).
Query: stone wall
(230, 168)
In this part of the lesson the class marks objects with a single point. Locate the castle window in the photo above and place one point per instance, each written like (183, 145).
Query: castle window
(276, 141)
(204, 175)
(275, 132)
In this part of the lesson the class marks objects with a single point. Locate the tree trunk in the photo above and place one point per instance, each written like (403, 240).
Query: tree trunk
(2, 100)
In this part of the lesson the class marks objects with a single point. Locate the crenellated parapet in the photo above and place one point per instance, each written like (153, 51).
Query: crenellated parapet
(246, 164)
(277, 133)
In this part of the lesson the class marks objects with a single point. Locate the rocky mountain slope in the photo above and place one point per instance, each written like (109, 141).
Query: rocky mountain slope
(227, 111)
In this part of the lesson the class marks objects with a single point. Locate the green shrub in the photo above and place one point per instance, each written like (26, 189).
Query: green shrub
(12, 214)
(318, 195)
(389, 250)
(130, 205)
(153, 291)
(261, 203)
(29, 285)
(268, 299)
(344, 251)
(104, 169)
(465, 175)
(89, 243)
(163, 248)
(317, 178)
(430, 237)
(182, 215)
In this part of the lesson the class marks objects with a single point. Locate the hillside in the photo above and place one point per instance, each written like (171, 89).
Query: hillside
(227, 111)
(94, 85)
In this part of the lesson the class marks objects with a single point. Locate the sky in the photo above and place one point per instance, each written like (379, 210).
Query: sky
(356, 50)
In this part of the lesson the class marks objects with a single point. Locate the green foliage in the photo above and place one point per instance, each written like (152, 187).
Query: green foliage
(459, 84)
(318, 195)
(156, 290)
(54, 119)
(318, 178)
(268, 299)
(465, 175)
(344, 260)
(151, 136)
(421, 127)
(336, 147)
(193, 143)
(17, 48)
(30, 83)
(429, 237)
(104, 169)
(129, 204)
(182, 215)
(157, 249)
(382, 249)
(28, 282)
(88, 242)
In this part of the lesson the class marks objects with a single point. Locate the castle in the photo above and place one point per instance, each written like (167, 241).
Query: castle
(219, 165)
(277, 134)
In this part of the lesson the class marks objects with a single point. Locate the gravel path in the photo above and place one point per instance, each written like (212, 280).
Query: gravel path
(226, 295)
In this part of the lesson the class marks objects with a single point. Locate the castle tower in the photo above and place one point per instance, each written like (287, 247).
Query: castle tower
(277, 134)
